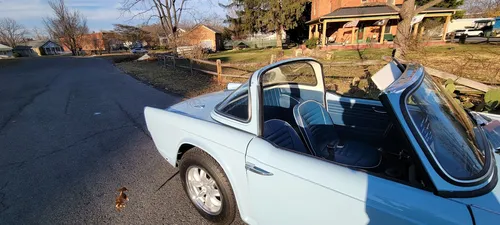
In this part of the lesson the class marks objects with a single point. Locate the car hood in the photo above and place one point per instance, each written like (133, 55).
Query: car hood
(199, 107)
(490, 201)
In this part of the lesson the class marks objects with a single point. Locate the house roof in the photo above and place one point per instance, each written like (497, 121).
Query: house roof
(5, 47)
(36, 43)
(22, 47)
(213, 29)
(375, 10)
(39, 43)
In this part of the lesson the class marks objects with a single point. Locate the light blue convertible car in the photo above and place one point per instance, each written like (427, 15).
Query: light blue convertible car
(279, 149)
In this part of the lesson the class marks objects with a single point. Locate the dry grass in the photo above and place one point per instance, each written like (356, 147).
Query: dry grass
(178, 81)
(473, 61)
(119, 57)
(477, 62)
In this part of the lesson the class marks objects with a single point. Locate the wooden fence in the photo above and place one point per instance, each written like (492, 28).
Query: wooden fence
(204, 66)
(216, 69)
(238, 69)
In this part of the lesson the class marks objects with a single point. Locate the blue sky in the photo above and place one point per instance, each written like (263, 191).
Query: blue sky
(101, 14)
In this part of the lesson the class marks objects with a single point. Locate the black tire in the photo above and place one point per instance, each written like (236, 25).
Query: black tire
(199, 158)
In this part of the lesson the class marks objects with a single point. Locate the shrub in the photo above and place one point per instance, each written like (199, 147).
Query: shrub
(16, 54)
(311, 43)
(492, 99)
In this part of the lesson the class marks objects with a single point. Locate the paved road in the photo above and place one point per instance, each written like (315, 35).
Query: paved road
(71, 133)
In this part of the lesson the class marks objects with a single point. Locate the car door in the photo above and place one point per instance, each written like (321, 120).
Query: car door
(286, 187)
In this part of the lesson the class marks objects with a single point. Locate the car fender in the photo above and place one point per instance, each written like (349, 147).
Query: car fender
(233, 165)
(170, 130)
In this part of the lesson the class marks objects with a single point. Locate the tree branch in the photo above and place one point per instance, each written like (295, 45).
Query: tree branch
(141, 13)
(426, 6)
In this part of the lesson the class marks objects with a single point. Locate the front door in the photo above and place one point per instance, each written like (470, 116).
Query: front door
(286, 187)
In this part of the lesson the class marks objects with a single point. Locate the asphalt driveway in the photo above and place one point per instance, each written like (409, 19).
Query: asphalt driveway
(72, 132)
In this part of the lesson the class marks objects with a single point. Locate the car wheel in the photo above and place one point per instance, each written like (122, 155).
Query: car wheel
(206, 184)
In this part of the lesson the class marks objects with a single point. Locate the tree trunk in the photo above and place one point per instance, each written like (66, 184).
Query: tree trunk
(174, 41)
(403, 38)
(279, 42)
(403, 35)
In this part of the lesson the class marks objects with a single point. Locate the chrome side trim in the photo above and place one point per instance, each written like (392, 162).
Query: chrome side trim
(251, 167)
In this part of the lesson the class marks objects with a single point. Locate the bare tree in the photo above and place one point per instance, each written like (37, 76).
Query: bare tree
(11, 32)
(169, 13)
(66, 25)
(39, 34)
(110, 40)
(483, 8)
(406, 13)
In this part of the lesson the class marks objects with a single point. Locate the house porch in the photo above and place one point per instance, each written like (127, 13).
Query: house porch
(355, 26)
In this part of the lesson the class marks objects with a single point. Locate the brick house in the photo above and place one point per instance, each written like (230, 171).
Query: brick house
(92, 42)
(350, 22)
(88, 42)
(204, 36)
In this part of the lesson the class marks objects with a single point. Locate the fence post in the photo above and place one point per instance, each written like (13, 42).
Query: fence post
(173, 61)
(164, 61)
(191, 65)
(219, 71)
(273, 58)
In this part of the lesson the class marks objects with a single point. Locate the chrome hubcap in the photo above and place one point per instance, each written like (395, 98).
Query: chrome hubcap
(203, 190)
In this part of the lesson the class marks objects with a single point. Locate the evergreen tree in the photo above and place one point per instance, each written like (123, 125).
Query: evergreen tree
(280, 15)
(265, 16)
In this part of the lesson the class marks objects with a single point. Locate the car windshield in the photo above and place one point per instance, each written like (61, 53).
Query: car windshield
(447, 130)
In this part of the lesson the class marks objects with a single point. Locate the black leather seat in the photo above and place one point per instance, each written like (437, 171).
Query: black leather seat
(283, 135)
(320, 135)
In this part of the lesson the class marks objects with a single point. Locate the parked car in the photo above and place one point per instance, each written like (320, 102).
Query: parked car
(280, 149)
(138, 51)
(469, 32)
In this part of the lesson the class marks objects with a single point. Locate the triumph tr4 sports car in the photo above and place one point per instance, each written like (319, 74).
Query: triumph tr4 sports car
(279, 149)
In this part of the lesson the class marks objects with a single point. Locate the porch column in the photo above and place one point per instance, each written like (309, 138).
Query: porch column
(445, 28)
(323, 35)
(421, 32)
(415, 30)
(310, 31)
(316, 31)
(382, 33)
(353, 30)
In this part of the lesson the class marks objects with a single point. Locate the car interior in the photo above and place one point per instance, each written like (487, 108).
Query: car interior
(295, 122)
(359, 135)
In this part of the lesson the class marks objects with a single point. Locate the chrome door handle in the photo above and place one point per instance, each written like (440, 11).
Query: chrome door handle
(257, 170)
(378, 111)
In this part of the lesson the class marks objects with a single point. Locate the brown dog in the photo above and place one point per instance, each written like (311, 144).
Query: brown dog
(121, 199)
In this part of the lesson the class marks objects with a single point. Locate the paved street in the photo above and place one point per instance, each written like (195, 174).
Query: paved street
(72, 132)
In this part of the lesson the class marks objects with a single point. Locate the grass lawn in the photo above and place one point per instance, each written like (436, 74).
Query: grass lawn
(474, 61)
(248, 55)
(178, 81)
(478, 62)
